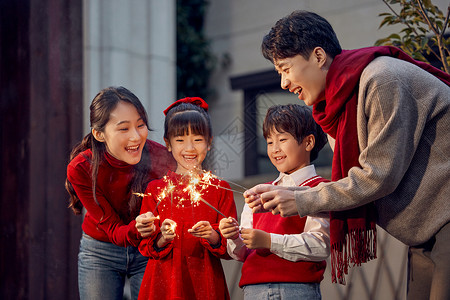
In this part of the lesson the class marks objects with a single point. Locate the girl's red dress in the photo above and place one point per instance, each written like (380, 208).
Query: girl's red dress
(188, 267)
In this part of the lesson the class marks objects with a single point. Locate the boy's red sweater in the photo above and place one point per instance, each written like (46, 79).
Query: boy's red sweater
(262, 266)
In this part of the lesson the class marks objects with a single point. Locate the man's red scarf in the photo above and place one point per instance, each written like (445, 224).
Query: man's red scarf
(352, 232)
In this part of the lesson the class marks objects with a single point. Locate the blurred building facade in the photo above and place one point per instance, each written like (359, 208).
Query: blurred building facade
(56, 55)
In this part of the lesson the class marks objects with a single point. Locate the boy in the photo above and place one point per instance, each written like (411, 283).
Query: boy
(283, 257)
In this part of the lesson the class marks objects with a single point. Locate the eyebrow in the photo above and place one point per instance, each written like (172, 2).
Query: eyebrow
(126, 121)
(122, 122)
(280, 65)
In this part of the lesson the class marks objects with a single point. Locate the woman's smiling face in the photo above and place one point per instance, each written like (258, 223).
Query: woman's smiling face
(125, 133)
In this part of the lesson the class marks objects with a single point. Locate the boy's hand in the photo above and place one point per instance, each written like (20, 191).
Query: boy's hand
(255, 238)
(204, 230)
(145, 224)
(229, 228)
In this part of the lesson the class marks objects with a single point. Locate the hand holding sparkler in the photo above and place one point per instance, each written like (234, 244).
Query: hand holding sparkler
(277, 199)
(168, 228)
(256, 238)
(229, 228)
(253, 199)
(203, 229)
(145, 224)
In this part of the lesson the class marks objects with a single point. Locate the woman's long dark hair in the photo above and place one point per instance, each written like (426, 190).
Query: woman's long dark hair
(100, 110)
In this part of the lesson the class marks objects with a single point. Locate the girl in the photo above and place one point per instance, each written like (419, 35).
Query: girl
(106, 168)
(186, 247)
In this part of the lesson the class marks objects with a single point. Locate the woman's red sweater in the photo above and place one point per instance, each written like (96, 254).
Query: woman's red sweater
(111, 221)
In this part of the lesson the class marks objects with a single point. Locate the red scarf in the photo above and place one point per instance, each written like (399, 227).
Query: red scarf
(352, 232)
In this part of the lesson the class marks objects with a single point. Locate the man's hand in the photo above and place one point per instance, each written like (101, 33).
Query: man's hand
(267, 197)
(253, 199)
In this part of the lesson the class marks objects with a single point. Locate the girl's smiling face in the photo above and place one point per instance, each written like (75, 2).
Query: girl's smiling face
(125, 133)
(189, 151)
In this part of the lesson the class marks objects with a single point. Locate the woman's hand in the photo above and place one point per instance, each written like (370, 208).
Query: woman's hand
(145, 224)
(204, 230)
(229, 228)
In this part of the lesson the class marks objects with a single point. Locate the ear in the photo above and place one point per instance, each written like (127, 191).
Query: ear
(209, 143)
(320, 56)
(310, 142)
(98, 135)
(168, 145)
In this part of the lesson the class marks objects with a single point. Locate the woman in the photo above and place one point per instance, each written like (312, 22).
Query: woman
(112, 163)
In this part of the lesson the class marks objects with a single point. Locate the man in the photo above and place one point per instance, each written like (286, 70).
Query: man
(388, 117)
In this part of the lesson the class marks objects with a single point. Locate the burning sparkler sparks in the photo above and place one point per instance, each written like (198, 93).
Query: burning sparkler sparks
(172, 227)
(166, 191)
(198, 181)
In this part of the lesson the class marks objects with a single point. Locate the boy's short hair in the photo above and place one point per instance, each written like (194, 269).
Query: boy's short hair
(298, 121)
(299, 33)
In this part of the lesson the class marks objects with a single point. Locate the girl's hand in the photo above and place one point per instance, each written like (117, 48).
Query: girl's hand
(168, 228)
(229, 228)
(255, 238)
(145, 224)
(204, 230)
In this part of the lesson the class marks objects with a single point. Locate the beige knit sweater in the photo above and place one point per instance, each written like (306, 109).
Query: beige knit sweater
(403, 123)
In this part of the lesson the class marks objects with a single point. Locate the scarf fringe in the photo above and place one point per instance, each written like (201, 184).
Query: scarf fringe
(359, 246)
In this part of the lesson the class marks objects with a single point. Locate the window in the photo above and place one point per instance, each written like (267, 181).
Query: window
(262, 90)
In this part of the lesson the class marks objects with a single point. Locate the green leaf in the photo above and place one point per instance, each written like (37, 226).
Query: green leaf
(394, 36)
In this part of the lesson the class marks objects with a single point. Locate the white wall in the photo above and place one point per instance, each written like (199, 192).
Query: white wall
(131, 43)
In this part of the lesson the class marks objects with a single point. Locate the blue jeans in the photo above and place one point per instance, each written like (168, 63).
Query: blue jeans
(102, 268)
(282, 291)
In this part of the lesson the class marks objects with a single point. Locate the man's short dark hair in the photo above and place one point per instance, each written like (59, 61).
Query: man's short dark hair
(299, 33)
(297, 120)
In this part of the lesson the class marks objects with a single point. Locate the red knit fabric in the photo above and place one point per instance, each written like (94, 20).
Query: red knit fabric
(113, 193)
(352, 232)
(188, 267)
(262, 266)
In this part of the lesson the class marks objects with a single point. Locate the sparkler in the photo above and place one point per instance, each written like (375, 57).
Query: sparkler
(198, 180)
(194, 181)
(201, 176)
(172, 227)
(212, 207)
(167, 190)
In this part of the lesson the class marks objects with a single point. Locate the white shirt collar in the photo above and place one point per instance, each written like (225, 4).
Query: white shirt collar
(296, 178)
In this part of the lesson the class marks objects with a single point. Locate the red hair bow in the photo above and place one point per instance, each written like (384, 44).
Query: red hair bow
(193, 100)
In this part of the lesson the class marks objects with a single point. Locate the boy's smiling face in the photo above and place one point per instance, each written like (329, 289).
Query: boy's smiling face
(286, 154)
